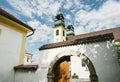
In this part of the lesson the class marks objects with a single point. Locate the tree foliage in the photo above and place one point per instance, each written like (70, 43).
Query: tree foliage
(118, 50)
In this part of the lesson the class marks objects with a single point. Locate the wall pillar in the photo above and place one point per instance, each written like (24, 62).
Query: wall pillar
(50, 77)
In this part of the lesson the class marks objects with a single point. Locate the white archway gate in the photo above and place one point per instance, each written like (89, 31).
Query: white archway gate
(67, 53)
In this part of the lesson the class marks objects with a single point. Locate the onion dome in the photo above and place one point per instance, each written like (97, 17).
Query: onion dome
(59, 19)
(70, 30)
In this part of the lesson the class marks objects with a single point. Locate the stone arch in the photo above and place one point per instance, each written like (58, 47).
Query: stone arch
(64, 55)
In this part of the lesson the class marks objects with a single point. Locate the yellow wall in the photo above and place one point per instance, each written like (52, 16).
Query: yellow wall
(19, 28)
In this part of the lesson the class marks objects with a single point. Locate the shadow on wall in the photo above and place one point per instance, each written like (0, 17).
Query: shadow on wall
(104, 57)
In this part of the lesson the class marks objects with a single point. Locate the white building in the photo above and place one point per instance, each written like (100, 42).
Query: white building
(12, 44)
(96, 50)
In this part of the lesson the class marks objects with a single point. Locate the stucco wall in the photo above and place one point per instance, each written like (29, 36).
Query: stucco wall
(26, 76)
(10, 45)
(102, 54)
(81, 71)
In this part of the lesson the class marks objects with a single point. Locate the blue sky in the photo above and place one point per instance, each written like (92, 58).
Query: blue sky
(85, 15)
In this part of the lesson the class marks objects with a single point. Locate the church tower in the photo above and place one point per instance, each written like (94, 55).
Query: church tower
(59, 28)
(70, 30)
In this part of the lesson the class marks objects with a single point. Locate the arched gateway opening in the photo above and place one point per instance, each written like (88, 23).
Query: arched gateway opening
(61, 62)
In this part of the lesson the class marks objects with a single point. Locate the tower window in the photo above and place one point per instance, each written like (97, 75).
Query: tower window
(57, 32)
(63, 33)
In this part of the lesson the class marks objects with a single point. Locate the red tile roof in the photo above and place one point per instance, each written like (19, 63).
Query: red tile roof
(98, 36)
(115, 31)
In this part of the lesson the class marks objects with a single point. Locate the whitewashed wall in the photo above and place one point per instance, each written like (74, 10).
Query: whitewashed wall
(10, 45)
(26, 76)
(102, 55)
(76, 67)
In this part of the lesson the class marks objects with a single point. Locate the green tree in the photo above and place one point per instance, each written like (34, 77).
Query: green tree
(118, 50)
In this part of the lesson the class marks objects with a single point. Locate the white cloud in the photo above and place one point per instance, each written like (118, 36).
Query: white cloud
(34, 23)
(80, 30)
(22, 7)
(38, 7)
(68, 17)
(68, 4)
(53, 8)
(42, 33)
(80, 15)
(77, 2)
(107, 16)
